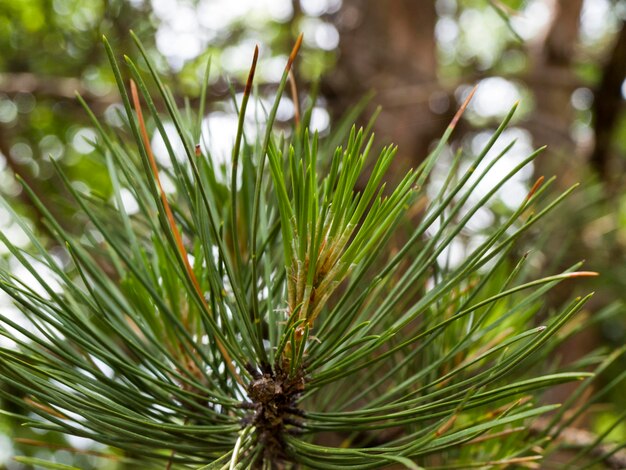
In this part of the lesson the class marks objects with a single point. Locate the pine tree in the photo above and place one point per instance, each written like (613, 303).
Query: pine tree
(255, 317)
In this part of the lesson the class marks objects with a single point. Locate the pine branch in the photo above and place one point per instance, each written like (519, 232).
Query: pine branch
(252, 310)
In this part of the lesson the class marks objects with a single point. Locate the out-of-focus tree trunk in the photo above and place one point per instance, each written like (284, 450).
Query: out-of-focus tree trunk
(607, 104)
(553, 81)
(389, 47)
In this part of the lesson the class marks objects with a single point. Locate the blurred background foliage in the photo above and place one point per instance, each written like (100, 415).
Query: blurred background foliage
(565, 60)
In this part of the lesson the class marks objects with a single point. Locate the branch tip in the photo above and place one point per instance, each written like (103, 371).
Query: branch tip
(294, 51)
(252, 71)
(582, 274)
(463, 107)
(535, 187)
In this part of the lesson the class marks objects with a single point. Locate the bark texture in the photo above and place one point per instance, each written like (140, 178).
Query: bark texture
(389, 47)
